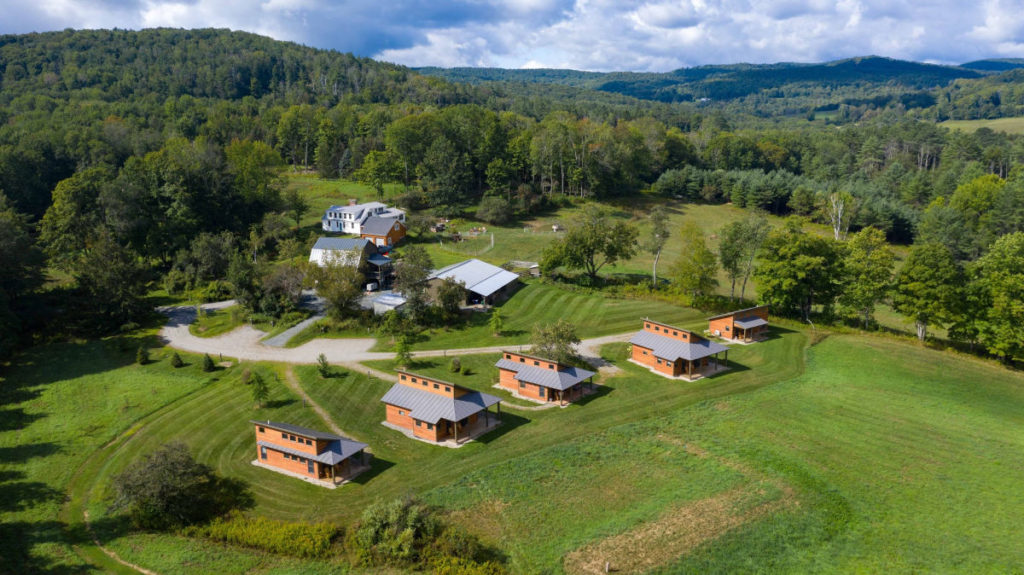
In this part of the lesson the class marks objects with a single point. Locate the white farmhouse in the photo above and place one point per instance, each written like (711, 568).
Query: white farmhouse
(345, 251)
(350, 219)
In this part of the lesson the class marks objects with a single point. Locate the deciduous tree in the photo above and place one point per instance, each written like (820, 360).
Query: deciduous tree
(868, 267)
(591, 241)
(694, 272)
(999, 279)
(555, 341)
(799, 270)
(928, 287)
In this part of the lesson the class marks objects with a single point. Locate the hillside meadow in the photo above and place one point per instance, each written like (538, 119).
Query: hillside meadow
(856, 453)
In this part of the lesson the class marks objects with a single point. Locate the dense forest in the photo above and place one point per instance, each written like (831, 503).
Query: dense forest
(127, 157)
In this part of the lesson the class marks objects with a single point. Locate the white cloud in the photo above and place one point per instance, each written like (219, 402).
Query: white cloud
(643, 35)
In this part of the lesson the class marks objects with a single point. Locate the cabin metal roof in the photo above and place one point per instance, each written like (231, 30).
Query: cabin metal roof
(750, 321)
(297, 430)
(561, 380)
(433, 407)
(672, 349)
(743, 312)
(336, 451)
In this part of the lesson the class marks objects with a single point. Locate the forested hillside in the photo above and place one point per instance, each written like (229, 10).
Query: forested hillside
(127, 158)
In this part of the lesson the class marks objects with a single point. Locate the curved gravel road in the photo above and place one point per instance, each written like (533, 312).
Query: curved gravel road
(244, 343)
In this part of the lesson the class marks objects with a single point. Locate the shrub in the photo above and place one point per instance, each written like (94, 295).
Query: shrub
(170, 489)
(282, 537)
(392, 532)
(208, 364)
(455, 366)
(142, 355)
(176, 361)
(465, 370)
(322, 366)
(494, 210)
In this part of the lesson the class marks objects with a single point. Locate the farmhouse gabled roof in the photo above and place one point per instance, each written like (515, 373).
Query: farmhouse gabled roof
(341, 244)
(480, 277)
(377, 226)
(560, 380)
(433, 407)
(672, 349)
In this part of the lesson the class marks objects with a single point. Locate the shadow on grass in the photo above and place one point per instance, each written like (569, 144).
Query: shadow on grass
(509, 422)
(377, 466)
(278, 403)
(600, 391)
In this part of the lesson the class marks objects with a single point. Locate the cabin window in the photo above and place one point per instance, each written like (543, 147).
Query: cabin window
(726, 328)
(446, 388)
(522, 385)
(414, 380)
(551, 366)
(436, 386)
(262, 430)
(508, 356)
(540, 391)
(419, 423)
(263, 452)
(403, 377)
(284, 435)
(309, 466)
(309, 442)
(645, 352)
(674, 332)
(521, 360)
(656, 328)
(292, 437)
(430, 426)
(659, 361)
(400, 412)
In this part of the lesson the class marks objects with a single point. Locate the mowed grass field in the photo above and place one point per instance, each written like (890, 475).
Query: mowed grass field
(539, 303)
(1007, 125)
(861, 454)
(215, 424)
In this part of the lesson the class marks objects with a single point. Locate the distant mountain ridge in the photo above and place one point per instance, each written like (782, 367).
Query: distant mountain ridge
(727, 82)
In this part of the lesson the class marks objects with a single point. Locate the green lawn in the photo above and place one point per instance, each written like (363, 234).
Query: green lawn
(540, 303)
(1008, 125)
(402, 465)
(58, 404)
(860, 454)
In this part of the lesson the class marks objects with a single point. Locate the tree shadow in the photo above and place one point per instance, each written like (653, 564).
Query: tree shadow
(19, 538)
(599, 392)
(277, 403)
(22, 453)
(509, 422)
(12, 419)
(377, 466)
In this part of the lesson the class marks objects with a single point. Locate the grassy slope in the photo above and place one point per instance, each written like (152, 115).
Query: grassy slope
(539, 303)
(59, 403)
(402, 465)
(1008, 125)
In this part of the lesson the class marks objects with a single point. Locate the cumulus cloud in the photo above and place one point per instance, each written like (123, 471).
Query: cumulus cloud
(642, 35)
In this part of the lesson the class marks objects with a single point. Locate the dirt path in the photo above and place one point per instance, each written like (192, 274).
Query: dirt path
(293, 383)
(110, 553)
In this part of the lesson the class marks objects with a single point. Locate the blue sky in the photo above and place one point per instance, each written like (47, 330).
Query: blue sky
(639, 35)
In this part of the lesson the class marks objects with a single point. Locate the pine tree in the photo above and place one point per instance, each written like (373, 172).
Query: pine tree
(208, 364)
(176, 361)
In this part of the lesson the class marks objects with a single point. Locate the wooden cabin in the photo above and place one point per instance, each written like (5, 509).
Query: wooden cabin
(309, 454)
(437, 411)
(675, 352)
(541, 380)
(745, 325)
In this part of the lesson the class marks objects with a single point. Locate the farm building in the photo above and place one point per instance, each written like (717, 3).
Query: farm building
(744, 325)
(676, 352)
(350, 219)
(383, 232)
(437, 411)
(386, 302)
(322, 458)
(346, 251)
(540, 379)
(485, 283)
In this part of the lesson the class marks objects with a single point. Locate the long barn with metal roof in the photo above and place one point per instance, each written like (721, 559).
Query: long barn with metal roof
(486, 283)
